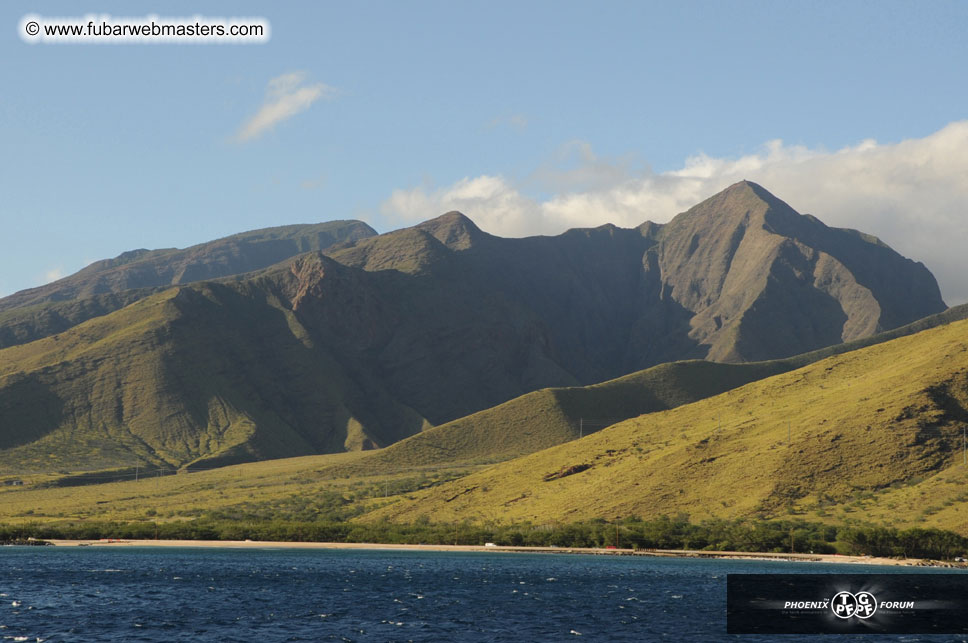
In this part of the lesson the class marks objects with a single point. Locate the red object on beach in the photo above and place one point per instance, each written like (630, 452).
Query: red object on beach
(611, 547)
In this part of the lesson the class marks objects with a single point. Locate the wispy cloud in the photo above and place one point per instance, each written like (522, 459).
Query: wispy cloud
(315, 183)
(912, 194)
(517, 122)
(53, 274)
(286, 96)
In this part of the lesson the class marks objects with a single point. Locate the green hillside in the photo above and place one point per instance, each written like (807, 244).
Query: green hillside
(868, 436)
(36, 321)
(553, 416)
(191, 376)
(871, 434)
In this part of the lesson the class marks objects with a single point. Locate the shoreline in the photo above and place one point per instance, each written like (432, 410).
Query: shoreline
(659, 553)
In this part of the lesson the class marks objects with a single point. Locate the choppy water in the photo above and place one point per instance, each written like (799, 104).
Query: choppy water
(147, 594)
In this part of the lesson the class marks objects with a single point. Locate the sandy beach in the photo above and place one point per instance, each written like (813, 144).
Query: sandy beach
(680, 553)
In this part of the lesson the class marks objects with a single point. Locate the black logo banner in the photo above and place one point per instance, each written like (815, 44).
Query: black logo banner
(847, 603)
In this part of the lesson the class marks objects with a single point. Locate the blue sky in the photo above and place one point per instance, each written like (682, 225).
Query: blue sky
(531, 117)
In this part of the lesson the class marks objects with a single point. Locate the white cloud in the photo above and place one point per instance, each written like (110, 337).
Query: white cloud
(53, 274)
(493, 203)
(912, 194)
(286, 96)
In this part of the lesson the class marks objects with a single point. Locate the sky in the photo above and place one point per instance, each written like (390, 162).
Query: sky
(530, 117)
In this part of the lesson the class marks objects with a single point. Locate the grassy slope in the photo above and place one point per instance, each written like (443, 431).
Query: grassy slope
(873, 432)
(553, 416)
(91, 398)
(83, 366)
(36, 321)
(875, 436)
(282, 489)
(203, 374)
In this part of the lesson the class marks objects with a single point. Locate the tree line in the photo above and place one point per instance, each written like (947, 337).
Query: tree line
(664, 532)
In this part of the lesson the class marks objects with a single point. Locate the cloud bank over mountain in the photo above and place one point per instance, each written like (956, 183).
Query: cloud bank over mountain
(911, 194)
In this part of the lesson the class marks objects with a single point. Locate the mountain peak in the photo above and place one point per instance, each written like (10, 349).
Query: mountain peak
(739, 205)
(746, 192)
(454, 230)
(746, 184)
(748, 188)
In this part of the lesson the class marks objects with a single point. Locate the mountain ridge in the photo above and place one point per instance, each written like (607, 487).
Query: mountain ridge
(235, 254)
(375, 338)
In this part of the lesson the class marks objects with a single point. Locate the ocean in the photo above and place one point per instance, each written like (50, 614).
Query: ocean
(75, 594)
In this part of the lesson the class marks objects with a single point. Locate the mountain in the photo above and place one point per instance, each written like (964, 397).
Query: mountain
(309, 357)
(108, 285)
(376, 338)
(739, 277)
(552, 416)
(206, 373)
(759, 278)
(866, 436)
(236, 254)
(874, 434)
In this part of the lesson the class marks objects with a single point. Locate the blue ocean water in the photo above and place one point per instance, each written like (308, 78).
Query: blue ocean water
(154, 594)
